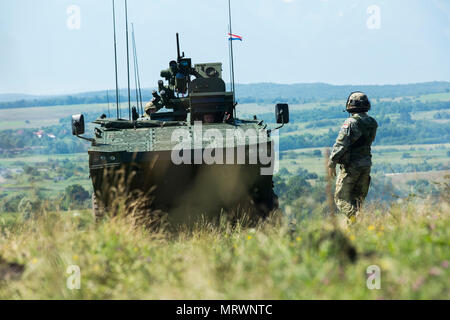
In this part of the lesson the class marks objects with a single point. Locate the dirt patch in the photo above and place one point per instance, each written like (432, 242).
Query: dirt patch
(10, 270)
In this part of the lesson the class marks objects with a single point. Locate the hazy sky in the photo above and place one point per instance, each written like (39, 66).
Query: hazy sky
(285, 41)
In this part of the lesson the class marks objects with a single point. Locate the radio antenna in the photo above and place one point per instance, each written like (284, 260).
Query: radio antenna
(134, 66)
(107, 99)
(178, 47)
(128, 60)
(139, 84)
(136, 72)
(115, 60)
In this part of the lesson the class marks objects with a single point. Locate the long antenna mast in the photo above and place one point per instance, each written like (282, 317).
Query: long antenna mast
(134, 65)
(139, 85)
(107, 98)
(128, 61)
(178, 47)
(231, 56)
(115, 60)
(137, 71)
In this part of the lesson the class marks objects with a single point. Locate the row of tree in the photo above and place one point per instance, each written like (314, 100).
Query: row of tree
(263, 93)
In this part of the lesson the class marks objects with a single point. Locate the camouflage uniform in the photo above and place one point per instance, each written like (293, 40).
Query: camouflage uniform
(352, 151)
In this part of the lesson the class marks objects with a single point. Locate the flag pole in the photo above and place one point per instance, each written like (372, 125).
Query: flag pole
(231, 58)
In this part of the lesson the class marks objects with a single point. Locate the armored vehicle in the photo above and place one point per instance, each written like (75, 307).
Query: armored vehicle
(187, 152)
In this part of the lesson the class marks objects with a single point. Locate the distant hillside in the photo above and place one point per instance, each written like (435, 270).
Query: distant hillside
(303, 92)
(246, 93)
(24, 101)
(7, 97)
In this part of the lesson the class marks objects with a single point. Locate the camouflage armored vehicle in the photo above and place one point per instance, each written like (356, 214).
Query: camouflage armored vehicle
(195, 156)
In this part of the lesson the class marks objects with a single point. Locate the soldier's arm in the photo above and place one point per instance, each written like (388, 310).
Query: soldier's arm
(348, 134)
(376, 127)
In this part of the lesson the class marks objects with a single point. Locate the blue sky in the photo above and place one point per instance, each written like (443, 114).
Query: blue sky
(285, 41)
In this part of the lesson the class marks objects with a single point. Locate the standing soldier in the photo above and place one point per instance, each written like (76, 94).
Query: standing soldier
(352, 151)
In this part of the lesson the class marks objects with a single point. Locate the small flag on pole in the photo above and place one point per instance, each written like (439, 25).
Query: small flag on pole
(234, 37)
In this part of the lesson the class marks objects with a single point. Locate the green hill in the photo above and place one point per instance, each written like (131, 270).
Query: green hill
(250, 93)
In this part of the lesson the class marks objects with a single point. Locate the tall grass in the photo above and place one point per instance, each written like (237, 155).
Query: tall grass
(316, 258)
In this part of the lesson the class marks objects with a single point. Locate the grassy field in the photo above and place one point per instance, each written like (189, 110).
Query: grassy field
(52, 183)
(320, 257)
(435, 176)
(292, 160)
(40, 159)
(247, 110)
(445, 96)
(50, 187)
(317, 258)
(428, 115)
(37, 117)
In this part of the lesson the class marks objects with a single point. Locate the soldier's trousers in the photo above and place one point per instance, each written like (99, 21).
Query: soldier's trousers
(352, 186)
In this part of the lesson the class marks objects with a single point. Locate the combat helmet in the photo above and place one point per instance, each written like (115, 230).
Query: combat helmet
(357, 102)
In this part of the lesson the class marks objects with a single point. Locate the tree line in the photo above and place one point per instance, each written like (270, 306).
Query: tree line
(263, 93)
